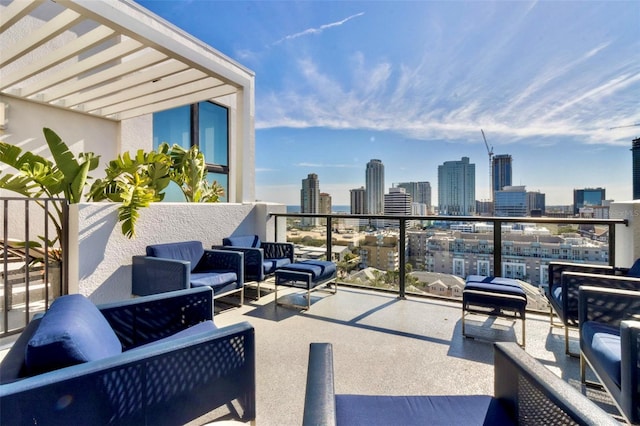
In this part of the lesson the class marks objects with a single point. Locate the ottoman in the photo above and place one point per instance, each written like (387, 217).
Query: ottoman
(495, 297)
(306, 274)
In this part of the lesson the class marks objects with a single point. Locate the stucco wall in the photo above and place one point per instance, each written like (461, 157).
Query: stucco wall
(100, 256)
(627, 237)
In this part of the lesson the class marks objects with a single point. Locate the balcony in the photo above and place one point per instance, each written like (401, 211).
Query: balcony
(386, 345)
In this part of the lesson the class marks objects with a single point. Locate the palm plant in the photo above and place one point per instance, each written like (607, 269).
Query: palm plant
(37, 177)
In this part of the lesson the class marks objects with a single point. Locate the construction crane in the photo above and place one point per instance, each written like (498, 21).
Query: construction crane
(490, 152)
(628, 125)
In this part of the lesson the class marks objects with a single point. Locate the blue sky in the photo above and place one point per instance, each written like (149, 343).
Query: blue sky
(412, 83)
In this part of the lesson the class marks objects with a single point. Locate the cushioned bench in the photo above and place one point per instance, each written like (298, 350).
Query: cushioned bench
(494, 296)
(307, 274)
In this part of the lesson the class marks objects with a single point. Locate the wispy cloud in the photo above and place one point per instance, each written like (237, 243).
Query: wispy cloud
(318, 30)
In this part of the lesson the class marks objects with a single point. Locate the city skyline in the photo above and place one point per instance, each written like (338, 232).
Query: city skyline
(413, 84)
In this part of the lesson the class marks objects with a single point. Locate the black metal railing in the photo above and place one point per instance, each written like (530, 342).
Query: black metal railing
(497, 222)
(35, 257)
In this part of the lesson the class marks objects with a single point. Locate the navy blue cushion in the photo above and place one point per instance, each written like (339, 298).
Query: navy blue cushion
(71, 332)
(601, 344)
(191, 251)
(634, 271)
(465, 410)
(213, 279)
(242, 241)
(492, 280)
(187, 332)
(319, 269)
(270, 265)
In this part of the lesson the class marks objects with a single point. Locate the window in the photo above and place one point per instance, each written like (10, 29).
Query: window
(204, 124)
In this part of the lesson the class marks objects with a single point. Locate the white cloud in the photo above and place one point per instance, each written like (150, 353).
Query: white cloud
(318, 30)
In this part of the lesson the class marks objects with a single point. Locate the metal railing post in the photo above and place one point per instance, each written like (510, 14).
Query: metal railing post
(329, 238)
(402, 260)
(497, 248)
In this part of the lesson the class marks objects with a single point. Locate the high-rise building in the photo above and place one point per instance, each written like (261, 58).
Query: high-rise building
(397, 202)
(587, 197)
(635, 167)
(310, 199)
(420, 192)
(536, 204)
(325, 203)
(511, 201)
(457, 188)
(501, 173)
(358, 201)
(374, 180)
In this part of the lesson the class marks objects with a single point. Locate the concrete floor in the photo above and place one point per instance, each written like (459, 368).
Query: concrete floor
(381, 345)
(384, 345)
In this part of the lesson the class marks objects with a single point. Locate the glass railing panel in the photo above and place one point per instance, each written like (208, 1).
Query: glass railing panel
(438, 254)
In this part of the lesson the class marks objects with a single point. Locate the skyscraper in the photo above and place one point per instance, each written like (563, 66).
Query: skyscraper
(587, 197)
(420, 192)
(325, 203)
(457, 188)
(635, 167)
(500, 172)
(358, 204)
(310, 198)
(374, 180)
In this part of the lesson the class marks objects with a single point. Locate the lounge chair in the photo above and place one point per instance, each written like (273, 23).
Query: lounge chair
(156, 360)
(526, 393)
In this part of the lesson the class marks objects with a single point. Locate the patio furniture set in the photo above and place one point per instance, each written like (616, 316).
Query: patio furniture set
(160, 359)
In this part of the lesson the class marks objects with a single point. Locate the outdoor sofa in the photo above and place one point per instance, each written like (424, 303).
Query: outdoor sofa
(185, 264)
(154, 360)
(525, 393)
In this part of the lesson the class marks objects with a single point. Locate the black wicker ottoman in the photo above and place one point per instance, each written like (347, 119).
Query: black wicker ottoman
(307, 274)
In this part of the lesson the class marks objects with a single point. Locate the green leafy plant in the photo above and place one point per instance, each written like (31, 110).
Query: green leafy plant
(38, 177)
(189, 172)
(135, 182)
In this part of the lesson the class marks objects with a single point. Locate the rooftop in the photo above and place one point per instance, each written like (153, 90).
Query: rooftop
(385, 345)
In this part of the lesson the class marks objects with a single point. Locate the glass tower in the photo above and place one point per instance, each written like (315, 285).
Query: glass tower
(374, 180)
(457, 188)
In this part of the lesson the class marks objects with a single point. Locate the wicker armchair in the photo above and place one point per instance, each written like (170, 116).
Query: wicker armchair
(610, 344)
(565, 279)
(526, 393)
(156, 360)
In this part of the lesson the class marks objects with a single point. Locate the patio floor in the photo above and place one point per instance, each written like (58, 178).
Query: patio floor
(384, 345)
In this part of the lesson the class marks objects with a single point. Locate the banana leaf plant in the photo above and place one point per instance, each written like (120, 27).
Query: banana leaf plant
(137, 181)
(189, 172)
(37, 177)
(134, 182)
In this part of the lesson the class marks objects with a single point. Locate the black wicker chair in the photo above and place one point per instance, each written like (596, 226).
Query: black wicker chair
(564, 280)
(526, 393)
(610, 344)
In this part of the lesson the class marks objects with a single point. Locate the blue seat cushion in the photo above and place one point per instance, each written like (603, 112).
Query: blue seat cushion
(467, 410)
(242, 241)
(72, 331)
(270, 265)
(492, 280)
(319, 269)
(601, 345)
(187, 332)
(634, 271)
(191, 251)
(213, 279)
